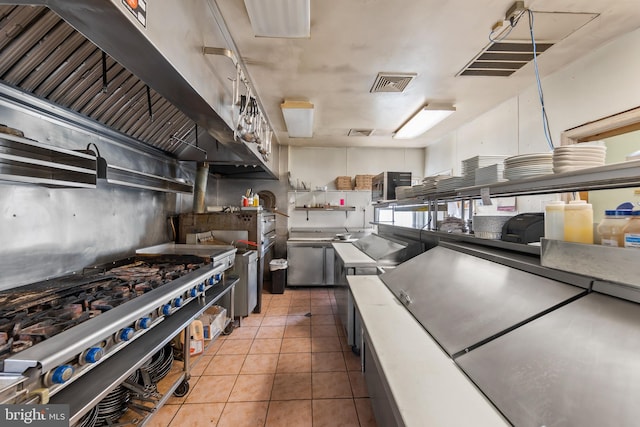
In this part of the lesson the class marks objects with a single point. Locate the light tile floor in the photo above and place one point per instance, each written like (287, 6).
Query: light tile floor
(287, 366)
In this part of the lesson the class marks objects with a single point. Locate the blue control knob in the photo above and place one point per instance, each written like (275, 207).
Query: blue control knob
(126, 334)
(166, 309)
(211, 282)
(193, 293)
(93, 354)
(177, 302)
(62, 374)
(218, 277)
(144, 323)
(202, 286)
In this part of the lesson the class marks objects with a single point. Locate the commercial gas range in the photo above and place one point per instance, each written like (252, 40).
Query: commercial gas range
(57, 333)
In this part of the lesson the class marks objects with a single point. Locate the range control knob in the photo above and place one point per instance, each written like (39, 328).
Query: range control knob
(61, 374)
(218, 277)
(166, 309)
(92, 355)
(177, 302)
(125, 334)
(202, 286)
(143, 323)
(211, 282)
(193, 292)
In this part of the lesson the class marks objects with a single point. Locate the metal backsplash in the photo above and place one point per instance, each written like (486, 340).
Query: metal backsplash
(47, 232)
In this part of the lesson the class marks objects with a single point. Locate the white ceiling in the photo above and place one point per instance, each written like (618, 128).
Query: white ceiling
(351, 41)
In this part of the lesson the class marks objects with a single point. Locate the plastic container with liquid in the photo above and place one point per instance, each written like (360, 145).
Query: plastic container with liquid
(554, 220)
(632, 231)
(578, 222)
(611, 227)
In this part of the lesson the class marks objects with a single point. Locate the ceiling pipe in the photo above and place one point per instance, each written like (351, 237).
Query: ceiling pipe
(200, 188)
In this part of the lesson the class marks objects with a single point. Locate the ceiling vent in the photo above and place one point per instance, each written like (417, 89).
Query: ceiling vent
(512, 52)
(360, 132)
(391, 82)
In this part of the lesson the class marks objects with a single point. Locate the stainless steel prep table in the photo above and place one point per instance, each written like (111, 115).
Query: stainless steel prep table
(464, 301)
(576, 366)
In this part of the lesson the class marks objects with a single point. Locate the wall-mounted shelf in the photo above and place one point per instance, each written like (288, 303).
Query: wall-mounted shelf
(345, 209)
(28, 161)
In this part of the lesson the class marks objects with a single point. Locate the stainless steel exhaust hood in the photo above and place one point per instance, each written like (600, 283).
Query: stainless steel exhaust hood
(90, 58)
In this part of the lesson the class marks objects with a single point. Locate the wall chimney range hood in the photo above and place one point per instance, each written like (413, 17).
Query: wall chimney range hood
(88, 57)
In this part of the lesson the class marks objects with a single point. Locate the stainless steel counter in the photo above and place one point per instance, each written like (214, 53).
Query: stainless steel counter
(464, 301)
(576, 366)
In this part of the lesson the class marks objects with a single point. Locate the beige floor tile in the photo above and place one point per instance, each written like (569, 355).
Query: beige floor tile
(213, 347)
(299, 310)
(163, 417)
(225, 364)
(328, 362)
(266, 346)
(260, 364)
(235, 347)
(252, 320)
(274, 321)
(294, 362)
(280, 302)
(341, 329)
(324, 331)
(322, 344)
(289, 413)
(330, 385)
(298, 321)
(211, 388)
(199, 365)
(296, 345)
(244, 414)
(334, 412)
(352, 360)
(294, 386)
(198, 415)
(250, 388)
(270, 332)
(358, 384)
(243, 332)
(365, 413)
(323, 319)
(297, 331)
(321, 309)
(277, 311)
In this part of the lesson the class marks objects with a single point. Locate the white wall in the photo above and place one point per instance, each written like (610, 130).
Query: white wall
(319, 166)
(600, 84)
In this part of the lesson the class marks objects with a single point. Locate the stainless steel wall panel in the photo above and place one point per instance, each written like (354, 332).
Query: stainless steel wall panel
(462, 300)
(576, 366)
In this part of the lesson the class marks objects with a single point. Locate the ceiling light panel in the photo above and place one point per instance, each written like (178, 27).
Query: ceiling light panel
(298, 116)
(280, 18)
(426, 118)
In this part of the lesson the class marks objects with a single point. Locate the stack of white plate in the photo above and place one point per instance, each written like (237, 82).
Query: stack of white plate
(450, 184)
(528, 165)
(429, 184)
(489, 174)
(578, 156)
(469, 167)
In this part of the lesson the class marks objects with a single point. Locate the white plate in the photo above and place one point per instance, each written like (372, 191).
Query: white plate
(575, 163)
(579, 157)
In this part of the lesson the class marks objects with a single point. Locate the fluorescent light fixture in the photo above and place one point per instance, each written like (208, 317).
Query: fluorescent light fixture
(426, 118)
(280, 18)
(298, 116)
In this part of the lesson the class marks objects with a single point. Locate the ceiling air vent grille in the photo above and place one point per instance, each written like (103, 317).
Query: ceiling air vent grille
(391, 82)
(502, 59)
(360, 132)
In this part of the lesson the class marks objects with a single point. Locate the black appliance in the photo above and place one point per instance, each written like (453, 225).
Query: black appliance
(524, 228)
(383, 186)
